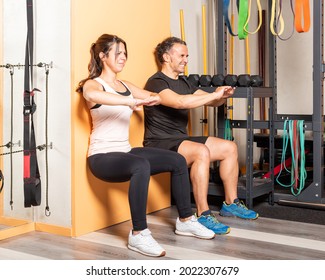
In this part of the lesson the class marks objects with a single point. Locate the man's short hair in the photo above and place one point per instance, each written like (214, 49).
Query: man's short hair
(165, 46)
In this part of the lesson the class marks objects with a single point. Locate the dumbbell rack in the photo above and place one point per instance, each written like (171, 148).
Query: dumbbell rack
(313, 195)
(248, 186)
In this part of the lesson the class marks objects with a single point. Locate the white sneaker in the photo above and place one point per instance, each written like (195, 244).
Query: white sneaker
(144, 243)
(192, 227)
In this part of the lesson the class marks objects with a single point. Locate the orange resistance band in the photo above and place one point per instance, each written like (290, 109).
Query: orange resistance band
(302, 7)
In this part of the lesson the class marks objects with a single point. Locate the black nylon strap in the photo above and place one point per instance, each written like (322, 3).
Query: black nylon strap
(32, 182)
(2, 179)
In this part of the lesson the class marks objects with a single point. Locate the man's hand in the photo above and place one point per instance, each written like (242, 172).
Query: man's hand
(225, 91)
(220, 95)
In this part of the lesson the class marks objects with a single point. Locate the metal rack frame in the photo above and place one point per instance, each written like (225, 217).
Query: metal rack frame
(313, 194)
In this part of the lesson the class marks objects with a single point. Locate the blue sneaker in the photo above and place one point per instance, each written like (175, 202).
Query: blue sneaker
(237, 209)
(210, 222)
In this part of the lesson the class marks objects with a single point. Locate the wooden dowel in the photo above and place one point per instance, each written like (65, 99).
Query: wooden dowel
(181, 18)
(205, 69)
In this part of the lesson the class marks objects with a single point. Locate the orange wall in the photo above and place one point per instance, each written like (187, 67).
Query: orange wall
(142, 23)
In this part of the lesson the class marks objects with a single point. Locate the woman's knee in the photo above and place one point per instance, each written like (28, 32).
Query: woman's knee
(179, 160)
(142, 166)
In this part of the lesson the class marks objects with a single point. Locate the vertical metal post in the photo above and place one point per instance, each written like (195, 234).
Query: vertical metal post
(221, 62)
(318, 100)
(271, 147)
(250, 147)
(272, 82)
(315, 191)
(272, 75)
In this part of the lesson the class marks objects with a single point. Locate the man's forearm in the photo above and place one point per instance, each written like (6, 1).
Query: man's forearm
(217, 103)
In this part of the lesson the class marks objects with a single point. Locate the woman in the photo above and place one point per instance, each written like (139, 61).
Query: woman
(110, 156)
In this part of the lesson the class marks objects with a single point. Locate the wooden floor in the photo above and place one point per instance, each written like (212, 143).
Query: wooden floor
(262, 239)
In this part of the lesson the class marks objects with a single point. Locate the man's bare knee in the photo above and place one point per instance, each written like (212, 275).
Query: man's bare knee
(233, 148)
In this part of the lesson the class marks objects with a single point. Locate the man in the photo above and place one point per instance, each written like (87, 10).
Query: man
(165, 127)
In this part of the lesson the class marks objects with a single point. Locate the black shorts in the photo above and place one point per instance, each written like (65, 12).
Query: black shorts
(173, 144)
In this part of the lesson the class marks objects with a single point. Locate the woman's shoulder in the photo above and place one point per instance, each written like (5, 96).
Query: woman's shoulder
(93, 83)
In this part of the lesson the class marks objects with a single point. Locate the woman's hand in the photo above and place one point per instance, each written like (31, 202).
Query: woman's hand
(150, 101)
(153, 100)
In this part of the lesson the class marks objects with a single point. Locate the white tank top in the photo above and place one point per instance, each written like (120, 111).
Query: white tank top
(110, 126)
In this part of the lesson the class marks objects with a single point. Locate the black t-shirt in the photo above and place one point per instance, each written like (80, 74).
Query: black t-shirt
(161, 122)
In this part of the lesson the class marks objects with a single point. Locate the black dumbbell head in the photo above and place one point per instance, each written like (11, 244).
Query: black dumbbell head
(244, 80)
(256, 81)
(205, 80)
(218, 80)
(231, 80)
(194, 79)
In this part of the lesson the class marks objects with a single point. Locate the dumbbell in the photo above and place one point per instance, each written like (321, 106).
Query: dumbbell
(194, 79)
(244, 80)
(231, 80)
(205, 80)
(218, 80)
(256, 81)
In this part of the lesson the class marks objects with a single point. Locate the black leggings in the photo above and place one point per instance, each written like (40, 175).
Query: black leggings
(137, 166)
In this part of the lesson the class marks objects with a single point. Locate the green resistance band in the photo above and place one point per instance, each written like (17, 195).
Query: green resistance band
(242, 19)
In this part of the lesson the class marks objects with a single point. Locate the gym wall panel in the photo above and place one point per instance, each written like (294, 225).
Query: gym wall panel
(1, 104)
(192, 11)
(295, 69)
(144, 23)
(51, 44)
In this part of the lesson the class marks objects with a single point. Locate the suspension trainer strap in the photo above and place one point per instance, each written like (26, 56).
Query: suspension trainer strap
(2, 179)
(32, 182)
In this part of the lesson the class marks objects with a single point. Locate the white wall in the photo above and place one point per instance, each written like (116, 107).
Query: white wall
(192, 10)
(52, 44)
(193, 29)
(295, 69)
